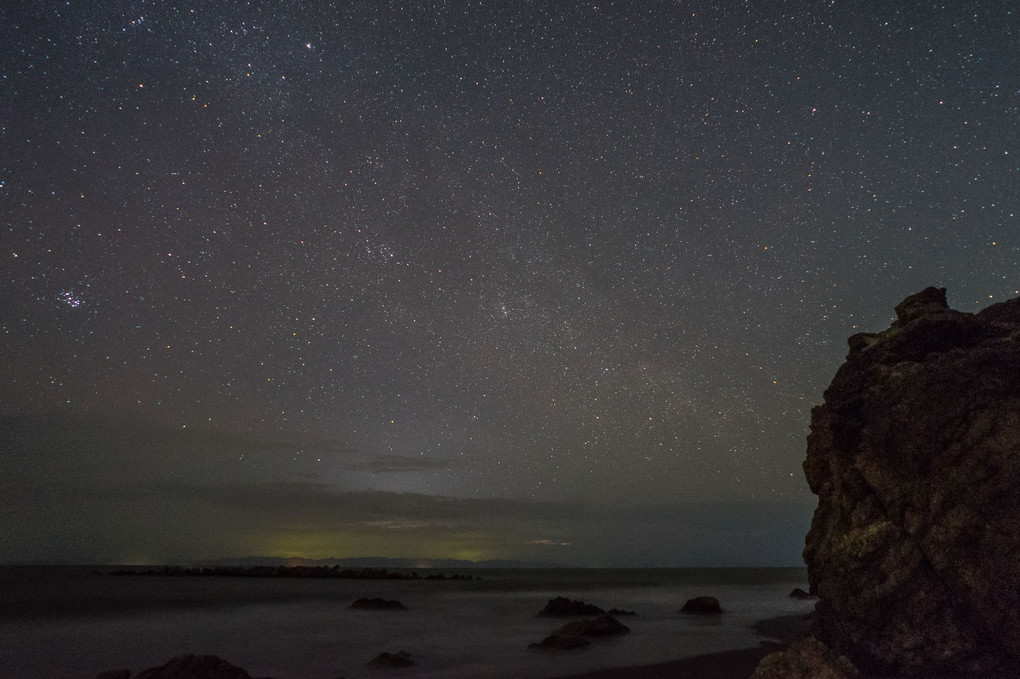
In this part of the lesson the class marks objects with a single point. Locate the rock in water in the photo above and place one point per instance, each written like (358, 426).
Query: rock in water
(702, 605)
(600, 626)
(195, 667)
(568, 607)
(571, 636)
(914, 549)
(392, 660)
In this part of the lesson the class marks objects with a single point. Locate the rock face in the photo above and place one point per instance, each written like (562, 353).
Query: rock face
(914, 549)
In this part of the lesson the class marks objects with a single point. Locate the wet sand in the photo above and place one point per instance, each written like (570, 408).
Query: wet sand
(728, 665)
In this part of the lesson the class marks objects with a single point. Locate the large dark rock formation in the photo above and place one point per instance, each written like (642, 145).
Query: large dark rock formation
(914, 549)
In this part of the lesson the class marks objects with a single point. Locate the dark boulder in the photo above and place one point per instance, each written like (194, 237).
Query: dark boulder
(914, 549)
(702, 605)
(798, 593)
(805, 659)
(378, 604)
(195, 667)
(572, 635)
(601, 626)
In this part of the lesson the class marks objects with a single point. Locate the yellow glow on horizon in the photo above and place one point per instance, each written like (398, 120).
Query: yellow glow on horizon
(396, 544)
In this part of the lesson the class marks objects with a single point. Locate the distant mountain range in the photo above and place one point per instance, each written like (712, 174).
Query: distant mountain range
(375, 562)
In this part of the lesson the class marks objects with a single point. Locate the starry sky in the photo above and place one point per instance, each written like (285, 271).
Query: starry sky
(499, 279)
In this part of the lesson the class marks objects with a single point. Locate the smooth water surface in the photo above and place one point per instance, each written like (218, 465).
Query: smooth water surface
(72, 623)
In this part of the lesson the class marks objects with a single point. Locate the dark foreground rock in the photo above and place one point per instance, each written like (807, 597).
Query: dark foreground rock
(572, 635)
(914, 550)
(702, 605)
(378, 604)
(805, 659)
(392, 660)
(185, 667)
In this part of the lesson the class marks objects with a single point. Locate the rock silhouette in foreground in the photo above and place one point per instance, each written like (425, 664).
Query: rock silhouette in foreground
(805, 659)
(914, 550)
(186, 667)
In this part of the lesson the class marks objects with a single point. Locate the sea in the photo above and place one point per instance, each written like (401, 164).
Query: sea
(74, 622)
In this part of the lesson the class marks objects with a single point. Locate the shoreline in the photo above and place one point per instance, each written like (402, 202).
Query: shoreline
(779, 632)
(725, 665)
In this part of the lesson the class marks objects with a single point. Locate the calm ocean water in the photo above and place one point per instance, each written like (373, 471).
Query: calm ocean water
(72, 623)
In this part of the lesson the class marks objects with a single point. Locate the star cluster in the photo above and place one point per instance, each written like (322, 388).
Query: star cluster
(511, 249)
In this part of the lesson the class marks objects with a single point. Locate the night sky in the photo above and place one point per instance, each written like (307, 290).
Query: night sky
(551, 281)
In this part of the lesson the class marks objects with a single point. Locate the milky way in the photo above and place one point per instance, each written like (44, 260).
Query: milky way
(512, 254)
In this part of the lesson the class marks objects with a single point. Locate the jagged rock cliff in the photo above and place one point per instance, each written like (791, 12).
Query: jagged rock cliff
(914, 549)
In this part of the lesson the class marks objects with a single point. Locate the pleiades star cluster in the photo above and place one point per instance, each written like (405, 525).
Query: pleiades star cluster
(547, 280)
